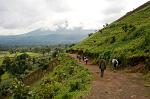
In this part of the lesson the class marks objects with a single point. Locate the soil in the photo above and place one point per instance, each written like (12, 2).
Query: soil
(116, 85)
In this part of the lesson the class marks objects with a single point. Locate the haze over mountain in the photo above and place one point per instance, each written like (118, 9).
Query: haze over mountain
(46, 37)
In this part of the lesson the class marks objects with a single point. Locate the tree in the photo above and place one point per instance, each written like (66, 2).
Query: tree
(18, 65)
(54, 54)
(23, 56)
(44, 63)
(6, 63)
(90, 34)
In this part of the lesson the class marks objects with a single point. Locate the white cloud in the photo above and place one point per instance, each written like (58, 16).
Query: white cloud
(20, 16)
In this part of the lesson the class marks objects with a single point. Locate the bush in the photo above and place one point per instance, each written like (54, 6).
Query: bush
(90, 34)
(48, 91)
(95, 61)
(19, 90)
(75, 85)
(125, 28)
(67, 81)
(43, 63)
(5, 87)
(112, 40)
(128, 28)
(132, 28)
(137, 33)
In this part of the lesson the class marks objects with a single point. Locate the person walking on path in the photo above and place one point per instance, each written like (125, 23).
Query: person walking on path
(102, 66)
(86, 60)
(115, 64)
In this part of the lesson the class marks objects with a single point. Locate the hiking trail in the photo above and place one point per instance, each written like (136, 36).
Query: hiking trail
(116, 85)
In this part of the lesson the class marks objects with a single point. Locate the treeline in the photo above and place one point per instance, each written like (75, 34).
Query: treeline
(29, 47)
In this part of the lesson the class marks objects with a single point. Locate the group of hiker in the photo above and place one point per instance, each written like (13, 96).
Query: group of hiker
(102, 63)
(83, 58)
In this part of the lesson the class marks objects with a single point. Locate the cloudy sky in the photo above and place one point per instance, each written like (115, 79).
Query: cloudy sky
(21, 16)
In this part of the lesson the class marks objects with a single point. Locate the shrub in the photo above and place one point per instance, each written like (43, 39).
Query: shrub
(67, 81)
(112, 40)
(95, 61)
(75, 85)
(125, 28)
(128, 28)
(132, 28)
(90, 34)
(43, 63)
(48, 91)
(137, 33)
(105, 55)
(5, 87)
(19, 90)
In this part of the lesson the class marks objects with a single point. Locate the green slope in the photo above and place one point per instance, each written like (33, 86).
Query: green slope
(132, 45)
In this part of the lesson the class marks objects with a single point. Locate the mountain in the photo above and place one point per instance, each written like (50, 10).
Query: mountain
(127, 39)
(46, 37)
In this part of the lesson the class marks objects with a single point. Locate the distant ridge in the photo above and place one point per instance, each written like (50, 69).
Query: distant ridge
(46, 37)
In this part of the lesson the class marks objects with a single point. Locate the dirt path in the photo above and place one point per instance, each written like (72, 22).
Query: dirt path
(118, 85)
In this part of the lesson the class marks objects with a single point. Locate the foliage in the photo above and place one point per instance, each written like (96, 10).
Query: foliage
(43, 63)
(19, 90)
(5, 87)
(18, 65)
(6, 63)
(67, 81)
(90, 34)
(125, 28)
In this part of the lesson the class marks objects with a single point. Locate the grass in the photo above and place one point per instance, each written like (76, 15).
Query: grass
(34, 54)
(116, 41)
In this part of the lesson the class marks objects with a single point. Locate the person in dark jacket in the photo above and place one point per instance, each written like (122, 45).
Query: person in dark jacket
(102, 66)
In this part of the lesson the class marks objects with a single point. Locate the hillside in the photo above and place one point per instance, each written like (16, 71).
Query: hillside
(46, 37)
(127, 39)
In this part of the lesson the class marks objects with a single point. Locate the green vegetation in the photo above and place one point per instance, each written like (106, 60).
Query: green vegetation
(5, 76)
(68, 80)
(127, 39)
(20, 66)
(11, 55)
